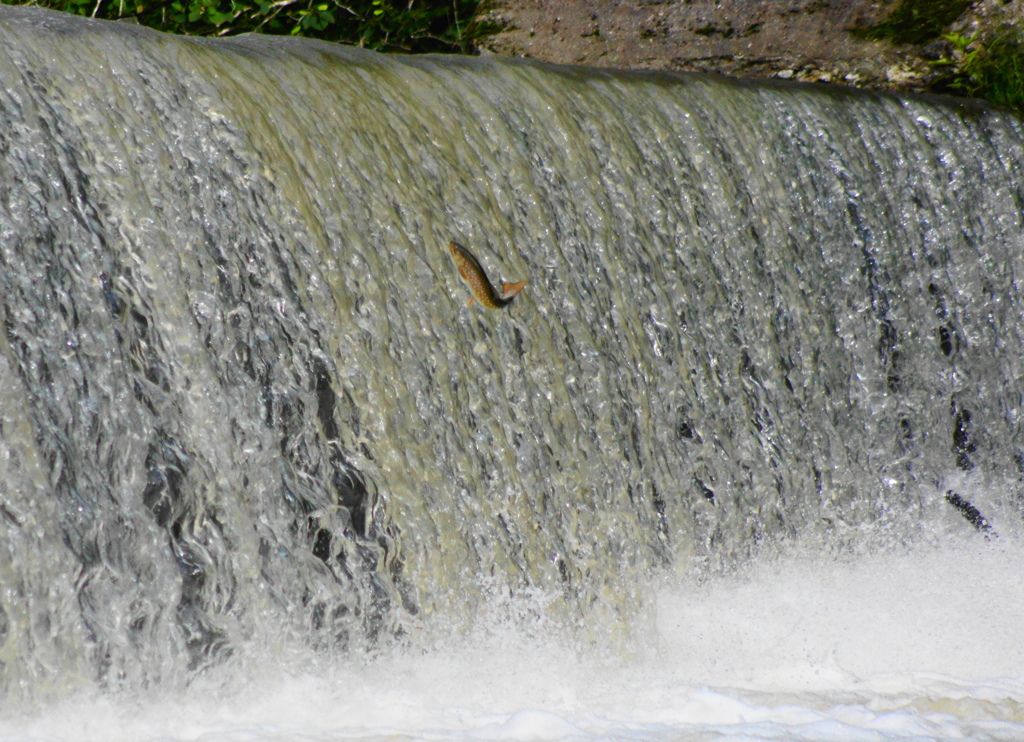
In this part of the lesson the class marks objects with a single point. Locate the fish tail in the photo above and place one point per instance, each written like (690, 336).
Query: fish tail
(511, 289)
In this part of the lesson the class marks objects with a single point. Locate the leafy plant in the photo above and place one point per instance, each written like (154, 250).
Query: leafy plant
(384, 25)
(991, 69)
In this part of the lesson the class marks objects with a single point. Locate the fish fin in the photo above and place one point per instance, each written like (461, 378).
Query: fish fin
(471, 300)
(511, 289)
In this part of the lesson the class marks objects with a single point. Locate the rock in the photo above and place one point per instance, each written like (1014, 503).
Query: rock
(936, 50)
(787, 39)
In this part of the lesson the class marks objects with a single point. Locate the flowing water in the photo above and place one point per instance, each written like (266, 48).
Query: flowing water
(743, 458)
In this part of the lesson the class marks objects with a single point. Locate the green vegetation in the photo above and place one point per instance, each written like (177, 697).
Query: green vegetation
(991, 69)
(917, 21)
(989, 66)
(384, 25)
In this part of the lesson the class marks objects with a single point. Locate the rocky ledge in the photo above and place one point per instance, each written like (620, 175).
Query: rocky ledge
(810, 40)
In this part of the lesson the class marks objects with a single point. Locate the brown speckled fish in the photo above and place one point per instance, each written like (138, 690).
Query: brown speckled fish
(473, 274)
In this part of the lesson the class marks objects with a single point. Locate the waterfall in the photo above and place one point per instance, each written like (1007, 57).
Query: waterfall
(243, 406)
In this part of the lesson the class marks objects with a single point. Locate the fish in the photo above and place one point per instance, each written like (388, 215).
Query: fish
(473, 274)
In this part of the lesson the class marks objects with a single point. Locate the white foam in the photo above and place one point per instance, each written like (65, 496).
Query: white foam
(921, 645)
(805, 623)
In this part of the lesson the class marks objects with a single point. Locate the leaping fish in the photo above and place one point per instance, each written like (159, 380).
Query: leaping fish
(473, 274)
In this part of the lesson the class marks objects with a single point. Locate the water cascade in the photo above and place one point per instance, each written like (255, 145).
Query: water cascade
(243, 406)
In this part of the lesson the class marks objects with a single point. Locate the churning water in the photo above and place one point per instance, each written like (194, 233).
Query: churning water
(744, 458)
